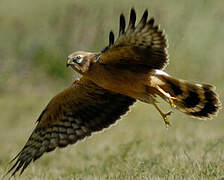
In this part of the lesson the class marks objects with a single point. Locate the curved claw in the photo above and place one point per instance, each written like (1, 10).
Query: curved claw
(165, 118)
(168, 96)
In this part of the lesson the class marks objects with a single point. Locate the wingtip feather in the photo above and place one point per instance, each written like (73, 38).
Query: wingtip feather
(132, 19)
(122, 24)
(111, 38)
(143, 20)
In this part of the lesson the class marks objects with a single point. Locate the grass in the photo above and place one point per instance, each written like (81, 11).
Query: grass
(35, 38)
(138, 147)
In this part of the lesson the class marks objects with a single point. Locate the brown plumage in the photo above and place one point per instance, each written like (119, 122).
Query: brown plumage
(127, 70)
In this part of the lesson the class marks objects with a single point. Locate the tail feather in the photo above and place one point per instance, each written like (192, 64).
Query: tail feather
(197, 100)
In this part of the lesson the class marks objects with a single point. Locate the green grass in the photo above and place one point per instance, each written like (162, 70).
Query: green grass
(35, 38)
(138, 147)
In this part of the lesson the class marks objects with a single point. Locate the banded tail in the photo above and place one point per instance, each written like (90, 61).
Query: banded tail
(197, 100)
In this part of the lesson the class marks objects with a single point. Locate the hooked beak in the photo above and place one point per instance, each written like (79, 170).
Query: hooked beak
(69, 62)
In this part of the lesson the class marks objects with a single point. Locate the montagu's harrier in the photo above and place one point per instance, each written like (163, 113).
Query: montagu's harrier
(130, 68)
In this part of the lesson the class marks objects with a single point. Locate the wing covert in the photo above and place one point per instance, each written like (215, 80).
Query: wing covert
(70, 116)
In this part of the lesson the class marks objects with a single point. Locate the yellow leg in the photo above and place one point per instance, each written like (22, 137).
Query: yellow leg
(164, 115)
(170, 99)
(167, 95)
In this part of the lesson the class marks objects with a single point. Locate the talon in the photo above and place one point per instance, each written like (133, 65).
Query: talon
(164, 115)
(167, 95)
(165, 118)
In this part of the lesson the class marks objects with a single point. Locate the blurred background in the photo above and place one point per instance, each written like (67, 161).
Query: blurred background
(35, 39)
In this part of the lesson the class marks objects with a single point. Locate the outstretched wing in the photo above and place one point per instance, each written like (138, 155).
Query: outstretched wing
(70, 116)
(143, 44)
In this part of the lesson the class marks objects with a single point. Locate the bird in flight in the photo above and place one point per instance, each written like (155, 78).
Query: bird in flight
(130, 68)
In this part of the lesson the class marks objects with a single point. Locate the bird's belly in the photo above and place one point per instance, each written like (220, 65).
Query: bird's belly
(121, 81)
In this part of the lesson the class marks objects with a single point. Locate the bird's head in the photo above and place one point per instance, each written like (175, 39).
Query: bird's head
(80, 61)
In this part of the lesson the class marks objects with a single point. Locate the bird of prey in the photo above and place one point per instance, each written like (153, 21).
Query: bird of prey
(130, 68)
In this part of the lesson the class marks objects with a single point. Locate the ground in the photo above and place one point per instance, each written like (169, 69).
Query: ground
(138, 147)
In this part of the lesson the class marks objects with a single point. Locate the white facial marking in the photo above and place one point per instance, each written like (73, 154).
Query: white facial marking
(79, 58)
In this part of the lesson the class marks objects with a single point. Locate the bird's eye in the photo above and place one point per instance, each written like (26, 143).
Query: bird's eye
(78, 59)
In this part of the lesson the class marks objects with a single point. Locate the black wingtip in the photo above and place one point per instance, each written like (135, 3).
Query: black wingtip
(19, 165)
(156, 28)
(10, 170)
(143, 20)
(132, 19)
(132, 9)
(151, 21)
(132, 13)
(145, 14)
(24, 167)
(14, 158)
(122, 24)
(111, 38)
